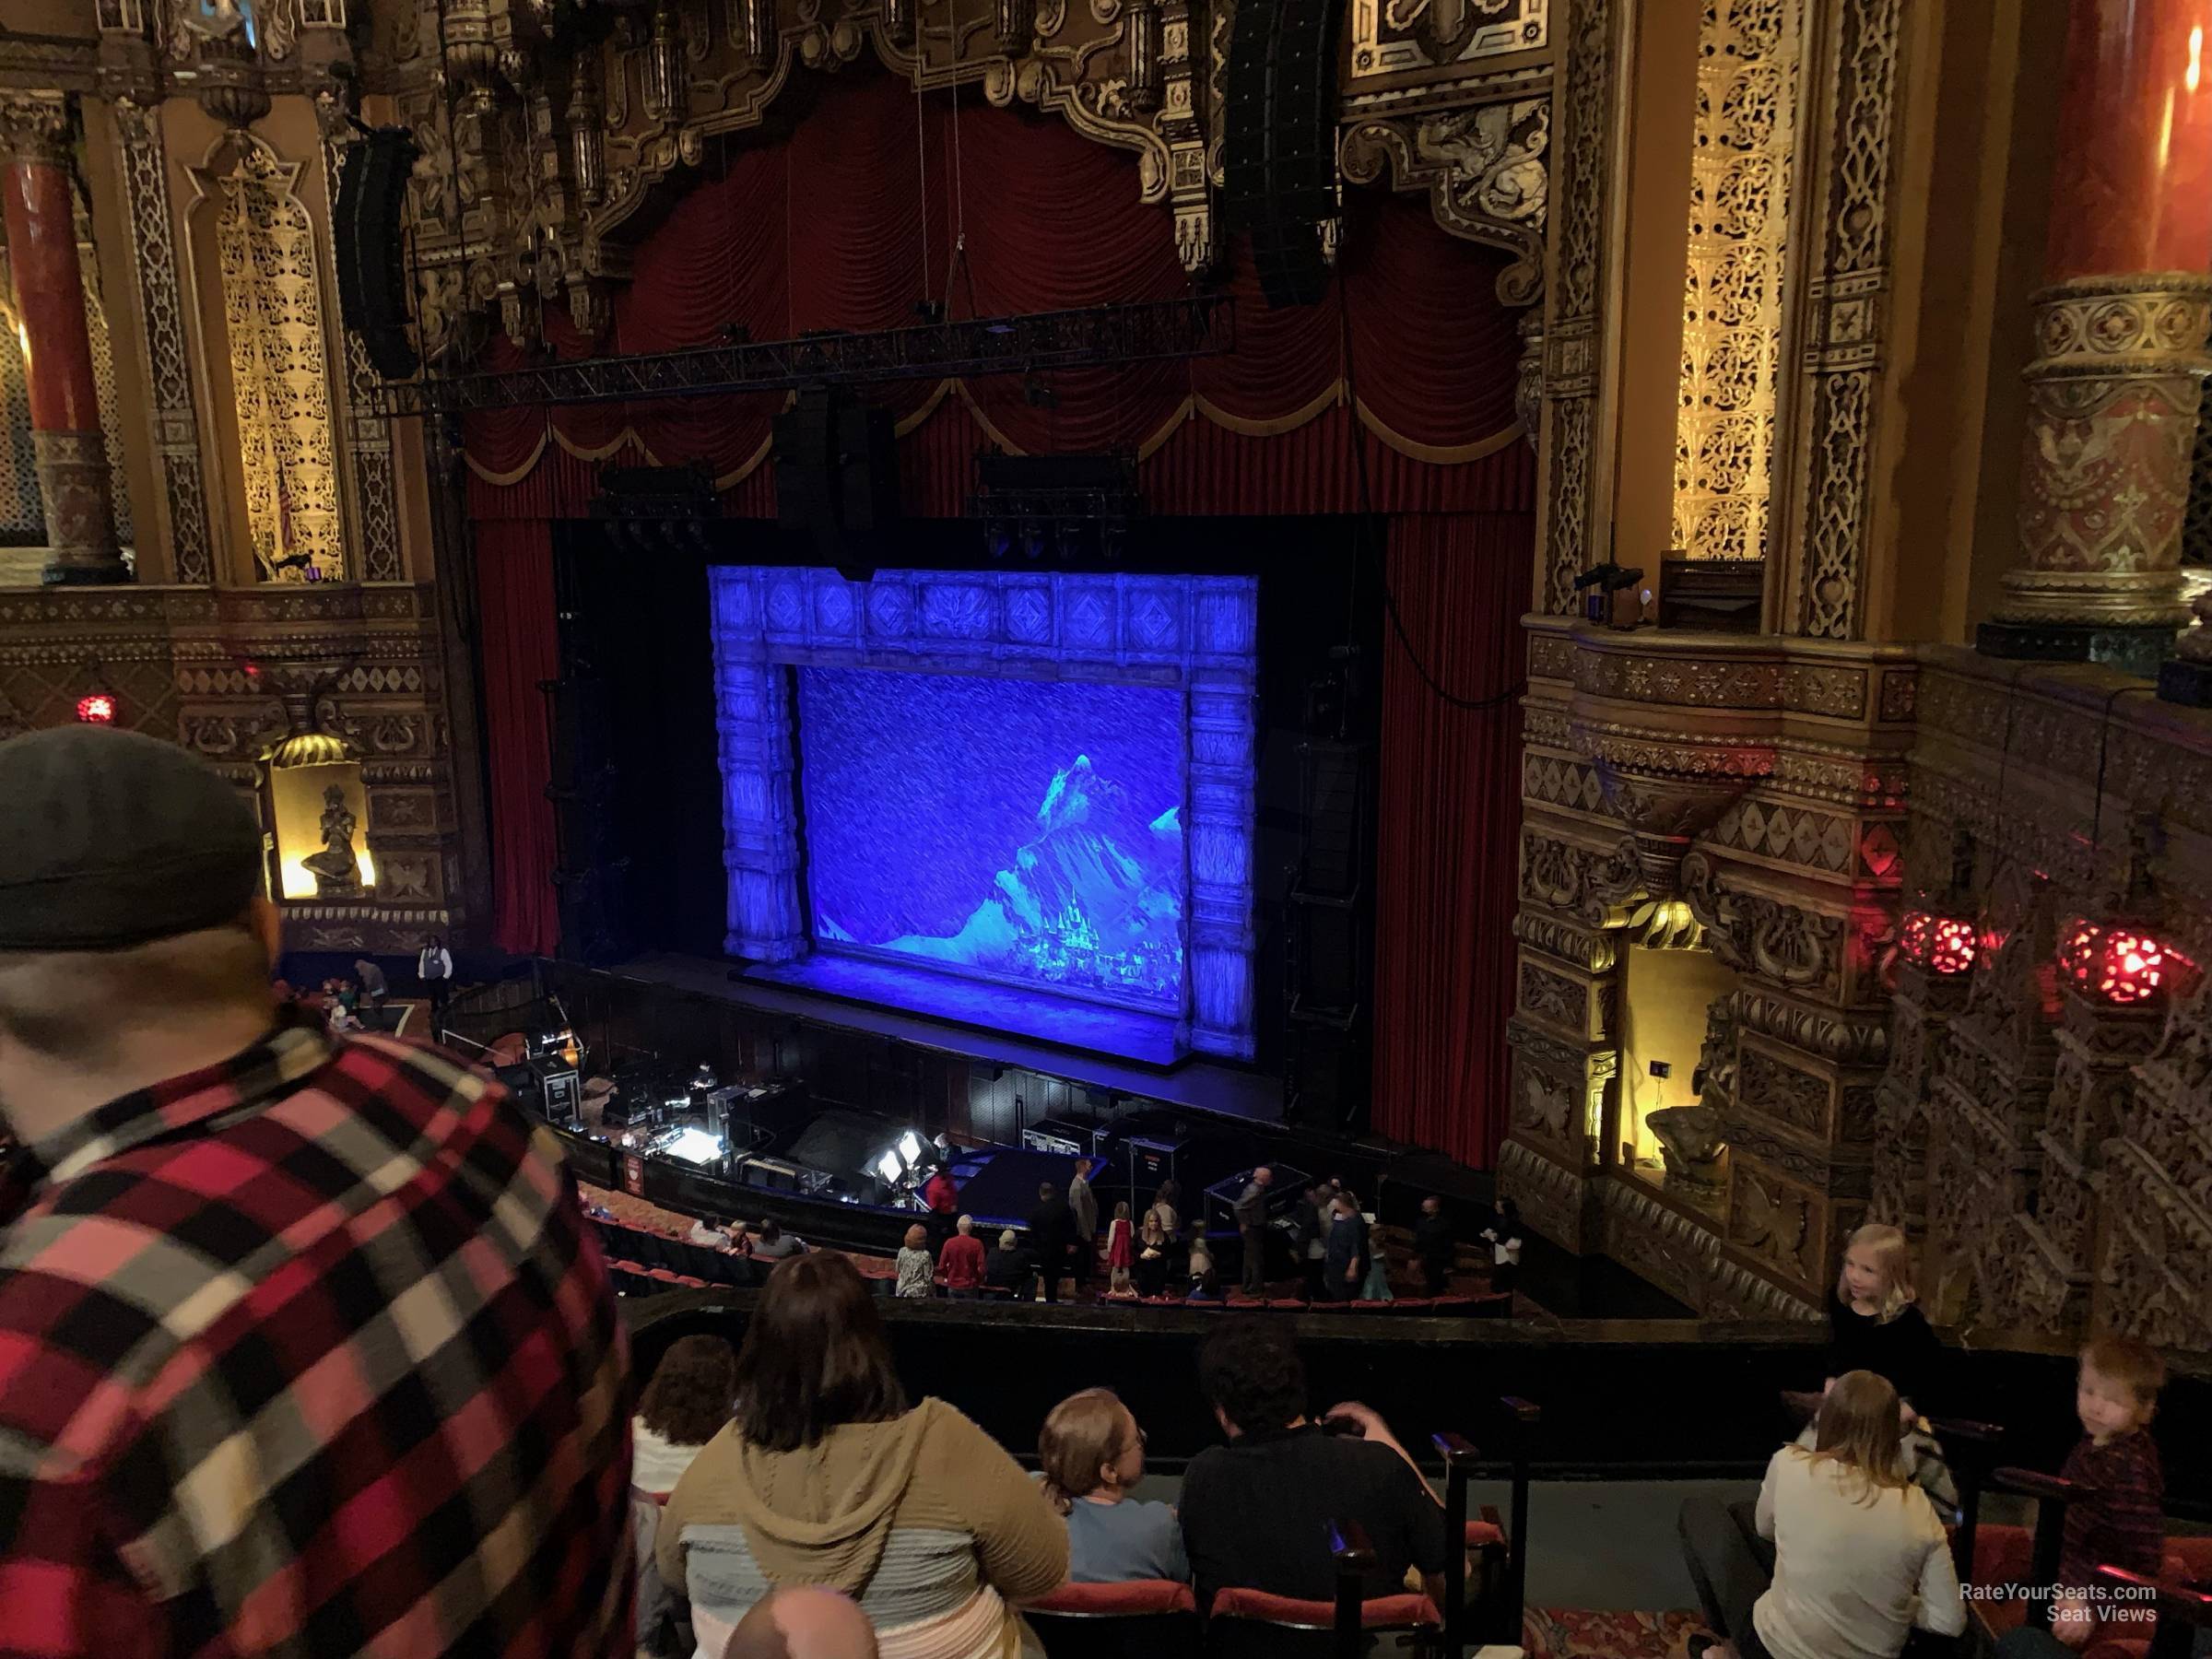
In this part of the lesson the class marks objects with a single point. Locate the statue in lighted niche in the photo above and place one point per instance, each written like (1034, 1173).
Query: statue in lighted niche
(1693, 1140)
(335, 869)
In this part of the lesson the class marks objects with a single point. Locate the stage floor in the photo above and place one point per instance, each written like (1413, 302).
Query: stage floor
(1065, 1021)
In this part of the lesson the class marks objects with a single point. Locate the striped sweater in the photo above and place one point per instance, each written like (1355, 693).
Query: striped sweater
(924, 1521)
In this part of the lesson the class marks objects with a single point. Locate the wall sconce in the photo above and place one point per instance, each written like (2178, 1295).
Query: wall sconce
(1941, 934)
(2119, 955)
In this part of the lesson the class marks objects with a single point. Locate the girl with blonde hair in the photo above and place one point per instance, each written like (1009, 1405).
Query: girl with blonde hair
(1873, 1318)
(1093, 1453)
(1859, 1555)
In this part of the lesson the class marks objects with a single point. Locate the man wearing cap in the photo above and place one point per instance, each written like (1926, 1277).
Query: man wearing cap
(304, 1348)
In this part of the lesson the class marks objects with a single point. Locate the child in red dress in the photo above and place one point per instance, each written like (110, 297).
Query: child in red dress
(1121, 1253)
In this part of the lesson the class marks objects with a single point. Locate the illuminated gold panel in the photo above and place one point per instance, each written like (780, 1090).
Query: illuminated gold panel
(273, 314)
(296, 797)
(1664, 1007)
(1740, 181)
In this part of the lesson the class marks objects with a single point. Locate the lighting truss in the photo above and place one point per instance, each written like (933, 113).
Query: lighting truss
(1149, 331)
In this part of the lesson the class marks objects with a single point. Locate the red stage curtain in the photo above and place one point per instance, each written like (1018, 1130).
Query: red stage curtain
(845, 221)
(514, 592)
(1449, 831)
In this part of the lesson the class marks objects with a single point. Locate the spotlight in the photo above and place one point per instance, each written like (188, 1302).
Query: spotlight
(695, 1146)
(889, 1167)
(910, 1147)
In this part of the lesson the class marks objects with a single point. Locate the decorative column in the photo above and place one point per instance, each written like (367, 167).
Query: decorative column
(2121, 335)
(49, 290)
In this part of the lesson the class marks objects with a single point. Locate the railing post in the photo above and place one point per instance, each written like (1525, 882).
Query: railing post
(1355, 1558)
(1459, 1462)
(1524, 1416)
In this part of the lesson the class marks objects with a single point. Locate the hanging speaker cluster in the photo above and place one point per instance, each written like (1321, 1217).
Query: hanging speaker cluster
(372, 267)
(1279, 160)
(837, 472)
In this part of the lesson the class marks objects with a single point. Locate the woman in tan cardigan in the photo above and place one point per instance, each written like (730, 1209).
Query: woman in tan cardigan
(827, 1478)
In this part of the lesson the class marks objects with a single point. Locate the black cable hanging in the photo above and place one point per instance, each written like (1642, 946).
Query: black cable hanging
(1367, 514)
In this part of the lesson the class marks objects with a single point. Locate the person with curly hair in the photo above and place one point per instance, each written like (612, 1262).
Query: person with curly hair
(1256, 1512)
(690, 1397)
(683, 1407)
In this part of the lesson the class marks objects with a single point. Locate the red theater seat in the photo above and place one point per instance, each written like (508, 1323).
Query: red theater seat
(1142, 1618)
(1405, 1612)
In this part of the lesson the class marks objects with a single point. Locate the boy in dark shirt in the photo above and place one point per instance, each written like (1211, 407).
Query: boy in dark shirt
(1435, 1246)
(2121, 1523)
(1256, 1512)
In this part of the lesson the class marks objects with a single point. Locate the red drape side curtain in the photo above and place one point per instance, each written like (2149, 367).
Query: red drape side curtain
(514, 590)
(1449, 830)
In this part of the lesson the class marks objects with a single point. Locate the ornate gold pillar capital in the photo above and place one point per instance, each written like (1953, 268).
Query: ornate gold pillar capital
(2113, 400)
(34, 128)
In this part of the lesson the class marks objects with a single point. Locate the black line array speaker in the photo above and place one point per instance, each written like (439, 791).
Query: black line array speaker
(837, 467)
(1279, 159)
(371, 246)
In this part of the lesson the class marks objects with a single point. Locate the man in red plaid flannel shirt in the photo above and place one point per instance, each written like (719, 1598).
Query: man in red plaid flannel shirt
(304, 1347)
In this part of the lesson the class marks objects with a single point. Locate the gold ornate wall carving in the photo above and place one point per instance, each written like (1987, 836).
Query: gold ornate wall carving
(2061, 1150)
(1759, 782)
(1396, 36)
(272, 317)
(1742, 165)
(175, 422)
(1845, 320)
(22, 515)
(1582, 174)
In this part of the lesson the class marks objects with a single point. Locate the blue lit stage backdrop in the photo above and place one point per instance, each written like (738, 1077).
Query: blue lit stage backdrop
(1015, 798)
(1029, 830)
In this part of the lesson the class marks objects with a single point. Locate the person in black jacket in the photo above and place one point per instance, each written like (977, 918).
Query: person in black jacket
(1011, 1266)
(1434, 1247)
(1873, 1319)
(1052, 1232)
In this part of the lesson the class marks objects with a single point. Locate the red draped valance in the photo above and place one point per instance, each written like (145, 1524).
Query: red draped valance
(851, 218)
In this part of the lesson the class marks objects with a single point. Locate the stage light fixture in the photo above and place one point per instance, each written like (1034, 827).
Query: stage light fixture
(695, 1146)
(910, 1147)
(889, 1167)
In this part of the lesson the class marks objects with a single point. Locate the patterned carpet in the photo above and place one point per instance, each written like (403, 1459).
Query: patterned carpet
(1573, 1633)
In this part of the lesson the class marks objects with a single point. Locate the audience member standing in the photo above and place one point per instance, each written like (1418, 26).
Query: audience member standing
(1377, 1287)
(434, 969)
(1093, 1453)
(1859, 1557)
(942, 1193)
(1083, 1208)
(1052, 1229)
(1343, 1262)
(1152, 1248)
(961, 1260)
(827, 1478)
(1121, 1250)
(1434, 1247)
(917, 1273)
(233, 1251)
(1251, 1227)
(1256, 1512)
(375, 987)
(1164, 1205)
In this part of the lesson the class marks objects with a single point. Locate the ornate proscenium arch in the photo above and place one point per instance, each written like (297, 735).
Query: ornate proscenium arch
(555, 139)
(1485, 167)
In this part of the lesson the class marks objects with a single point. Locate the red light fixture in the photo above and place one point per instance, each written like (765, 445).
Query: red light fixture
(96, 707)
(1943, 945)
(2120, 963)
